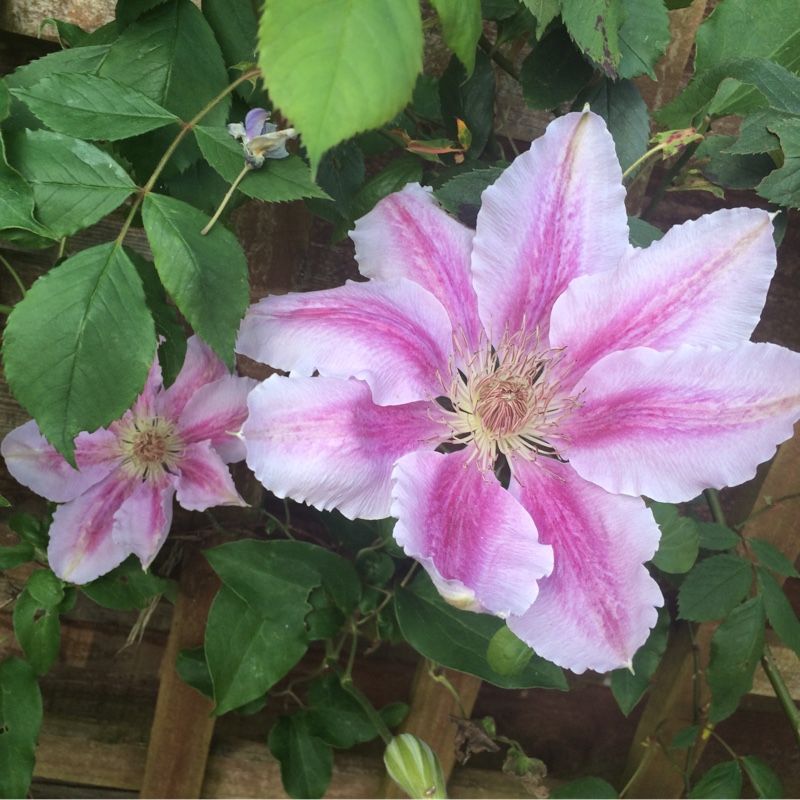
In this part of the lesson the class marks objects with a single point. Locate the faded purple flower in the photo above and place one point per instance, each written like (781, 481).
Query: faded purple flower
(261, 139)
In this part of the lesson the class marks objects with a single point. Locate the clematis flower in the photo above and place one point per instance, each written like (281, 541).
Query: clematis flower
(509, 394)
(261, 139)
(172, 442)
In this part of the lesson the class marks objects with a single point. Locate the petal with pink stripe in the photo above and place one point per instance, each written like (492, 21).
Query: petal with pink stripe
(704, 283)
(82, 547)
(407, 235)
(324, 442)
(394, 335)
(597, 607)
(481, 542)
(668, 425)
(204, 480)
(200, 367)
(557, 212)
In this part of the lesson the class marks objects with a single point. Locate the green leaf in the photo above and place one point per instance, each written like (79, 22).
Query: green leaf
(736, 648)
(20, 723)
(75, 184)
(779, 610)
(722, 780)
(341, 174)
(192, 667)
(306, 761)
(469, 99)
(392, 178)
(584, 787)
(127, 586)
(279, 179)
(234, 23)
(205, 275)
(731, 171)
(554, 72)
(621, 105)
(335, 716)
(16, 200)
(85, 367)
(782, 186)
(459, 639)
(466, 189)
(594, 26)
(38, 634)
(766, 783)
(69, 35)
(5, 100)
(772, 558)
(643, 37)
(714, 587)
(248, 651)
(755, 135)
(30, 529)
(45, 588)
(507, 654)
(545, 12)
(16, 554)
(499, 9)
(337, 67)
(685, 737)
(91, 107)
(641, 233)
(677, 550)
(714, 536)
(629, 687)
(734, 31)
(461, 28)
(3, 502)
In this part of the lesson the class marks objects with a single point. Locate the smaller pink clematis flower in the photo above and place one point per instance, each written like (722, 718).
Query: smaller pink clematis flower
(172, 442)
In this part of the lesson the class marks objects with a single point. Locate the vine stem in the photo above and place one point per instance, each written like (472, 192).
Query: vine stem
(658, 195)
(14, 275)
(714, 505)
(781, 691)
(358, 696)
(504, 63)
(227, 197)
(439, 678)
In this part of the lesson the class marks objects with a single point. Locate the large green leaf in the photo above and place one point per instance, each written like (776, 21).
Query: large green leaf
(594, 25)
(764, 780)
(731, 170)
(733, 30)
(714, 587)
(680, 539)
(127, 586)
(306, 761)
(462, 27)
(38, 631)
(337, 67)
(91, 107)
(277, 180)
(20, 723)
(722, 780)
(78, 348)
(75, 184)
(782, 186)
(736, 648)
(643, 37)
(460, 639)
(545, 12)
(779, 610)
(16, 200)
(235, 24)
(205, 275)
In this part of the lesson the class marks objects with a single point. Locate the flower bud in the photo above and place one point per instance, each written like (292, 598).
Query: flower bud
(414, 767)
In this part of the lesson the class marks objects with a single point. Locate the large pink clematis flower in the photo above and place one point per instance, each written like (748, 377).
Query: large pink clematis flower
(544, 349)
(173, 442)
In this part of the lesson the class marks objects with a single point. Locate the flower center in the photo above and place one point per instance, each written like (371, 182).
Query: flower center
(148, 446)
(507, 400)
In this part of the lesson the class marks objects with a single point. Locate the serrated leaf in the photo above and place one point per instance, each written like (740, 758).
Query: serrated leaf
(459, 639)
(248, 652)
(714, 536)
(306, 761)
(714, 587)
(554, 72)
(499, 9)
(206, 276)
(91, 107)
(766, 783)
(594, 26)
(678, 547)
(584, 787)
(341, 174)
(85, 367)
(278, 180)
(127, 586)
(75, 184)
(338, 67)
(736, 648)
(466, 189)
(545, 12)
(629, 687)
(779, 610)
(772, 558)
(731, 171)
(234, 23)
(38, 634)
(754, 133)
(643, 37)
(5, 100)
(69, 35)
(782, 186)
(20, 723)
(461, 27)
(16, 200)
(128, 11)
(722, 780)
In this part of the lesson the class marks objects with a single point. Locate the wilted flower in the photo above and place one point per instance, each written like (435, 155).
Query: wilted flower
(542, 353)
(261, 139)
(172, 442)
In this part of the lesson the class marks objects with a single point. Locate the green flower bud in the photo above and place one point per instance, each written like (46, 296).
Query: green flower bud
(414, 767)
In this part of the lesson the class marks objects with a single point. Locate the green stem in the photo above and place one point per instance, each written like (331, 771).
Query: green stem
(439, 678)
(668, 178)
(14, 275)
(227, 197)
(6, 309)
(504, 63)
(358, 695)
(781, 692)
(712, 498)
(773, 504)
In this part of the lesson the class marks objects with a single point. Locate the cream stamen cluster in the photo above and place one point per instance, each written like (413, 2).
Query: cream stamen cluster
(148, 446)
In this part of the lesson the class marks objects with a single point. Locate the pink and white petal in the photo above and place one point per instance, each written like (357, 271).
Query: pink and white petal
(324, 442)
(476, 535)
(146, 402)
(142, 522)
(668, 425)
(82, 547)
(216, 413)
(597, 607)
(394, 335)
(556, 213)
(35, 463)
(407, 235)
(704, 283)
(200, 367)
(204, 480)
